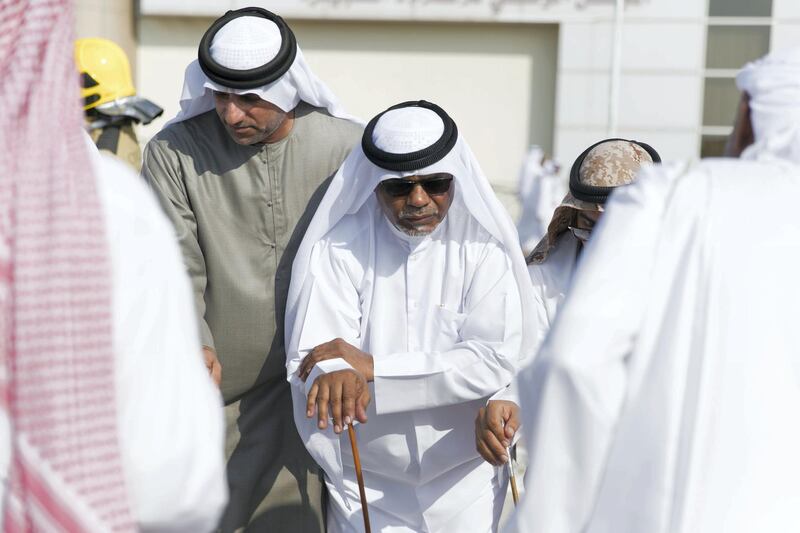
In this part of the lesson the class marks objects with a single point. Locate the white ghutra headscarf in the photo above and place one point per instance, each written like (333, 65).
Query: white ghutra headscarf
(773, 84)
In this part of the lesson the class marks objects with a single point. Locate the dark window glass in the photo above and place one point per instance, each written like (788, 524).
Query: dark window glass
(713, 145)
(740, 8)
(720, 101)
(732, 46)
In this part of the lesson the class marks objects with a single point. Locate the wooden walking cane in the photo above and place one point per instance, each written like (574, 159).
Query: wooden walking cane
(359, 476)
(513, 477)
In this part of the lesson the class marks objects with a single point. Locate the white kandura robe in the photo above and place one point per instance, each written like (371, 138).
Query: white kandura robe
(551, 281)
(665, 398)
(441, 317)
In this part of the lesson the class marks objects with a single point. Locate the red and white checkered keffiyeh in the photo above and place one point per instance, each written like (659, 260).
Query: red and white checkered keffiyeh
(58, 384)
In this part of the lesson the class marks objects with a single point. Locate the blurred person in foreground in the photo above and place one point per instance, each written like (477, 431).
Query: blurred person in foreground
(110, 103)
(108, 420)
(595, 174)
(665, 398)
(240, 172)
(409, 288)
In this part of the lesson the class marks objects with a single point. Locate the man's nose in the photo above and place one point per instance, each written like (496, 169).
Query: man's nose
(418, 197)
(232, 113)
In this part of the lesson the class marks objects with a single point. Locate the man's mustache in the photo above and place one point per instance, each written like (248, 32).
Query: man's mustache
(417, 213)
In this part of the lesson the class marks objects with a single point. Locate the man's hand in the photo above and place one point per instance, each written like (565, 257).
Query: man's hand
(495, 426)
(361, 361)
(345, 393)
(212, 364)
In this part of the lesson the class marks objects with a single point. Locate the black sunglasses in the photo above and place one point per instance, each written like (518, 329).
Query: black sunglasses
(400, 187)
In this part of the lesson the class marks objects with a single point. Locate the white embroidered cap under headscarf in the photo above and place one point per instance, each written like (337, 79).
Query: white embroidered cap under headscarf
(244, 43)
(773, 83)
(407, 130)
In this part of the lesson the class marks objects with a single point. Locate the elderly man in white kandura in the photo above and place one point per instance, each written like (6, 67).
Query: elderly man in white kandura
(409, 288)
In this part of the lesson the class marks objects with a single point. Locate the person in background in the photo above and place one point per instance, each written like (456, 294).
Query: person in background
(595, 174)
(540, 189)
(110, 103)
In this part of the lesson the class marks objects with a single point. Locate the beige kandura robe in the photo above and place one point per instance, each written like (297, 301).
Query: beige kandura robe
(240, 212)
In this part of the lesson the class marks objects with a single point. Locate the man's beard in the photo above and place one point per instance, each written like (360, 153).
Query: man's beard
(415, 213)
(411, 232)
(261, 135)
(270, 129)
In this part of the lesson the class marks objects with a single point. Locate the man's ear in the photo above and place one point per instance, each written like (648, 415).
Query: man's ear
(742, 135)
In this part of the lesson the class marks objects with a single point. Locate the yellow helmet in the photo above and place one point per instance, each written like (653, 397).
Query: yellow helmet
(105, 71)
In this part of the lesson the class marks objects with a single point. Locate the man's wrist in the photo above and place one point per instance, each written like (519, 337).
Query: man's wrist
(370, 368)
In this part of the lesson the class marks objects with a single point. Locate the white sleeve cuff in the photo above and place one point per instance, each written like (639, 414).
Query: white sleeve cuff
(510, 394)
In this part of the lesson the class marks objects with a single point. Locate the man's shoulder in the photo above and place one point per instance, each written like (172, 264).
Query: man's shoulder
(321, 125)
(744, 185)
(347, 246)
(746, 169)
(478, 241)
(349, 234)
(186, 133)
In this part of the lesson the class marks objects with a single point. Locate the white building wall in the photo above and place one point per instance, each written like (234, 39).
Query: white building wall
(786, 26)
(661, 78)
(109, 19)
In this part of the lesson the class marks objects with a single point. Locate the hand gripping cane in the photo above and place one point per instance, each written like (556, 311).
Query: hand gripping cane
(359, 476)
